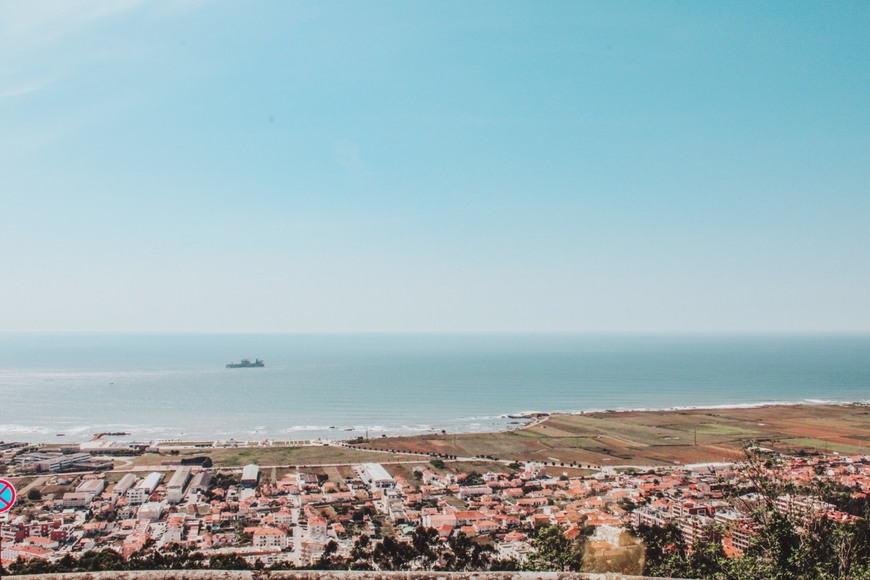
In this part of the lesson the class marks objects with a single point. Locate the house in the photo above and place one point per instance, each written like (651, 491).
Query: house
(270, 538)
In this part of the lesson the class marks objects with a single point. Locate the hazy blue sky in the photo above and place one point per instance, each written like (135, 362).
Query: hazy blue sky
(435, 166)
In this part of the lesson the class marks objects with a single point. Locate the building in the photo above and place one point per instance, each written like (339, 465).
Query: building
(92, 486)
(150, 511)
(177, 483)
(474, 490)
(75, 499)
(316, 528)
(803, 508)
(250, 476)
(200, 482)
(121, 488)
(696, 529)
(311, 550)
(52, 461)
(375, 476)
(146, 487)
(270, 538)
(13, 552)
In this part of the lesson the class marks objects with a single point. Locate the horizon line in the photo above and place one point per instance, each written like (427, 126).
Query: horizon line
(674, 333)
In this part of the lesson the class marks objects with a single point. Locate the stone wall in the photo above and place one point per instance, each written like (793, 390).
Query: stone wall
(324, 575)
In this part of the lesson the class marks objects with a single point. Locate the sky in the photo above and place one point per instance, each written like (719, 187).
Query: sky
(593, 167)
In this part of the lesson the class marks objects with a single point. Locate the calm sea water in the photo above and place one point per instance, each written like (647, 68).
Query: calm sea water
(336, 386)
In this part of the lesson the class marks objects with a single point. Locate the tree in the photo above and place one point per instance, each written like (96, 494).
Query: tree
(361, 552)
(228, 562)
(665, 550)
(468, 554)
(390, 554)
(786, 546)
(329, 560)
(424, 540)
(554, 551)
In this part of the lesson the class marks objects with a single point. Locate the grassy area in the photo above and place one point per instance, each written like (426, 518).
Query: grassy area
(333, 475)
(559, 471)
(481, 467)
(455, 502)
(22, 482)
(260, 456)
(808, 443)
(406, 471)
(726, 430)
(238, 457)
(114, 476)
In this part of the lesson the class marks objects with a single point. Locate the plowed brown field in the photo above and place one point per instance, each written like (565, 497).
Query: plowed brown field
(659, 437)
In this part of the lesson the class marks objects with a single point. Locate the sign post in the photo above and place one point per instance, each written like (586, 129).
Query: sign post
(7, 500)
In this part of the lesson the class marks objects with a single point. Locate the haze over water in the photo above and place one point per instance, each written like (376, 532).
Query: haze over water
(337, 386)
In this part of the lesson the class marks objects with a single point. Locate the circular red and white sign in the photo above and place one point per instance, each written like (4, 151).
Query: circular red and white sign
(7, 496)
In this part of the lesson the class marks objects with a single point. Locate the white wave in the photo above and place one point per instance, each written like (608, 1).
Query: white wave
(754, 405)
(298, 428)
(24, 429)
(483, 418)
(73, 431)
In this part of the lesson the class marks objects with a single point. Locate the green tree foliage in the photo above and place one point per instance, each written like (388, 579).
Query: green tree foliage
(467, 554)
(391, 554)
(553, 551)
(665, 550)
(785, 548)
(425, 544)
(328, 559)
(473, 478)
(172, 557)
(422, 550)
(228, 562)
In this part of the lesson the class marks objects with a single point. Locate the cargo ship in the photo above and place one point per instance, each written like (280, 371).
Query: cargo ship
(246, 364)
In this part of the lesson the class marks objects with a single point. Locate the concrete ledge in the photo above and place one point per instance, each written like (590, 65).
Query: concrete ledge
(327, 575)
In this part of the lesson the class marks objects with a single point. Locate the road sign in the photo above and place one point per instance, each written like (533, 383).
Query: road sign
(7, 496)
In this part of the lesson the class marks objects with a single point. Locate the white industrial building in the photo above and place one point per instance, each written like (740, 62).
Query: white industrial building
(250, 476)
(91, 486)
(48, 461)
(200, 482)
(150, 511)
(375, 476)
(123, 486)
(146, 487)
(77, 499)
(177, 483)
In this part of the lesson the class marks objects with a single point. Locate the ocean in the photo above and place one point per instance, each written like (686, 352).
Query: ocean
(68, 386)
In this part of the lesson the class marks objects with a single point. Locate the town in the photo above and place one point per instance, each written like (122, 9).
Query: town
(77, 498)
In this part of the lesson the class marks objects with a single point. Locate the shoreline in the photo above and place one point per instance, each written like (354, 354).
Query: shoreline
(530, 419)
(724, 407)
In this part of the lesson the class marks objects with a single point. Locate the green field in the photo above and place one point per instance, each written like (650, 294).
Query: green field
(818, 444)
(726, 430)
(280, 456)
